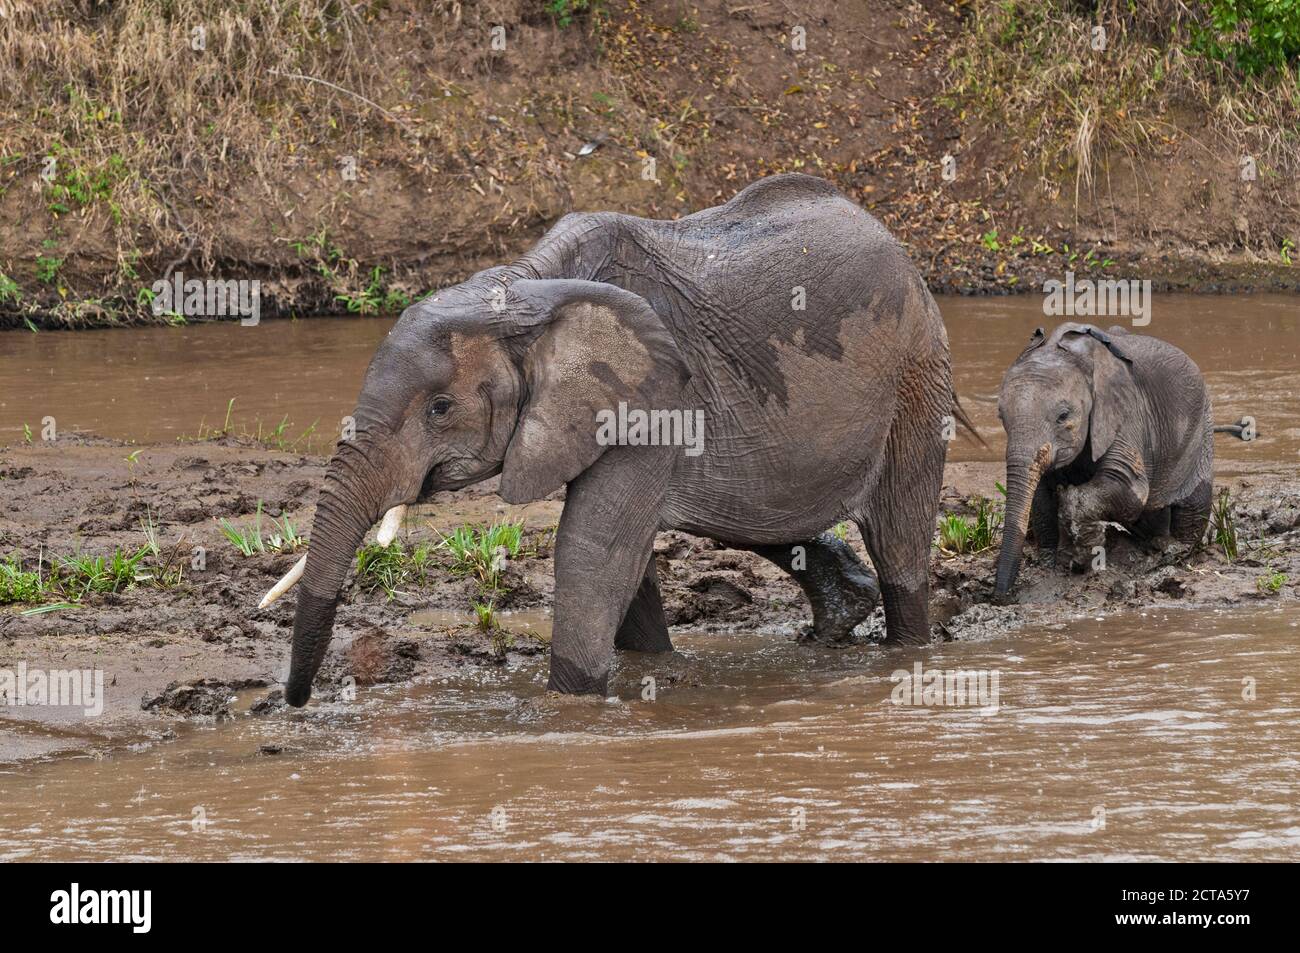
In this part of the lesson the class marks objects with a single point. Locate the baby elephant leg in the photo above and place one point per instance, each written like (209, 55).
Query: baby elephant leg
(1190, 515)
(841, 590)
(1107, 497)
(1151, 529)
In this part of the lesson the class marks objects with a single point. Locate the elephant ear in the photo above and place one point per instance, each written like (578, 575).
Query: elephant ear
(1114, 392)
(589, 347)
(1035, 342)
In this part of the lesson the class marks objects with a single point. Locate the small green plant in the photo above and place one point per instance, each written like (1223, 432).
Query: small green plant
(1288, 247)
(840, 531)
(9, 291)
(374, 298)
(76, 187)
(27, 433)
(479, 550)
(47, 268)
(69, 579)
(278, 436)
(1257, 35)
(131, 459)
(485, 616)
(960, 535)
(391, 567)
(17, 584)
(381, 567)
(81, 574)
(565, 11)
(1271, 583)
(955, 533)
(167, 571)
(282, 537)
(1223, 527)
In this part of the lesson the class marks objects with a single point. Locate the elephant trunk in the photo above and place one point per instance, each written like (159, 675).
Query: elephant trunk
(351, 500)
(1023, 473)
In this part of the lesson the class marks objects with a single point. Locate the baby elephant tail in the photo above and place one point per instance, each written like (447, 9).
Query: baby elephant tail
(1243, 429)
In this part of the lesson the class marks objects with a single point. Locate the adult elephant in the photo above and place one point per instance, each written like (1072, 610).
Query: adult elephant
(787, 320)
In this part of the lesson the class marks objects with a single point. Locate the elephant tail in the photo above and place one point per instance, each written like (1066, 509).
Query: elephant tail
(1243, 429)
(959, 412)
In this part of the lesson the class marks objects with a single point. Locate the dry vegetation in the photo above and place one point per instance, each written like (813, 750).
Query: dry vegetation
(145, 136)
(1099, 120)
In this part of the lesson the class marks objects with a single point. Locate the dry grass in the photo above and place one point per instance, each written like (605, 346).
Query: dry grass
(1028, 66)
(119, 96)
(158, 144)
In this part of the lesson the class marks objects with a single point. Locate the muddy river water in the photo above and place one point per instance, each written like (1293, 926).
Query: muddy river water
(1142, 735)
(155, 384)
(1105, 740)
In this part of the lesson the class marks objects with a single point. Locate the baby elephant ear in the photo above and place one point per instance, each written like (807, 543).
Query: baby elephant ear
(1114, 392)
(591, 347)
(1035, 341)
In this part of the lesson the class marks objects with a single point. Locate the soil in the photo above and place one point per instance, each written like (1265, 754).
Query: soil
(495, 148)
(201, 650)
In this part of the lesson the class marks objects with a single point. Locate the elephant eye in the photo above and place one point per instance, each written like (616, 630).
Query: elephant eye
(440, 407)
(1063, 416)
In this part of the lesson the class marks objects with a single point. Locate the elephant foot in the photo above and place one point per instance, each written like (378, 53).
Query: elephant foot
(1161, 544)
(840, 589)
(839, 609)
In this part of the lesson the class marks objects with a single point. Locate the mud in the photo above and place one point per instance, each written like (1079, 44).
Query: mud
(189, 651)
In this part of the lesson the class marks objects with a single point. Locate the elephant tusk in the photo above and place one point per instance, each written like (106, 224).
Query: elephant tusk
(285, 584)
(388, 528)
(389, 525)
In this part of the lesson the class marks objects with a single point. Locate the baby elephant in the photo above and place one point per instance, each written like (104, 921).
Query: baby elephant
(1103, 426)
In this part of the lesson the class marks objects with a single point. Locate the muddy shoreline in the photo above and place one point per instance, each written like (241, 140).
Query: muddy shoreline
(201, 651)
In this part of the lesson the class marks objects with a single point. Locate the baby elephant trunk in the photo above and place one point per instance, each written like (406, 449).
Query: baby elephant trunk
(1023, 473)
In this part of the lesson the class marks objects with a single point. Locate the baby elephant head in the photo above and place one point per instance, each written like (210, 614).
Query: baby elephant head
(1065, 393)
(483, 378)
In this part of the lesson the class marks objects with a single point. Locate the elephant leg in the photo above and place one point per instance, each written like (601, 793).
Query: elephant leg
(1151, 529)
(644, 628)
(1190, 515)
(840, 589)
(1043, 518)
(1110, 496)
(899, 519)
(602, 547)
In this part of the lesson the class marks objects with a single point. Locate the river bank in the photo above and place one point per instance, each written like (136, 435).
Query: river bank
(357, 159)
(180, 642)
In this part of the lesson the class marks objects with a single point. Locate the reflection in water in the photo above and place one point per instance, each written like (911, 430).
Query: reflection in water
(156, 384)
(1123, 739)
(150, 385)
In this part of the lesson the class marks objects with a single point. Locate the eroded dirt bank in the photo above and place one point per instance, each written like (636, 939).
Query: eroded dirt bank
(199, 647)
(363, 155)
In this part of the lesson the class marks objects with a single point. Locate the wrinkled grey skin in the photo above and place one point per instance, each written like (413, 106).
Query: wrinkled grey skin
(1102, 426)
(811, 416)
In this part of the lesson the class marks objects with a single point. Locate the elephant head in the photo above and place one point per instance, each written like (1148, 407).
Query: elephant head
(1064, 393)
(483, 378)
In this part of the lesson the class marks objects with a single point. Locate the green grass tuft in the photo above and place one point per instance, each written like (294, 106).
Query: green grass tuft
(960, 535)
(282, 537)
